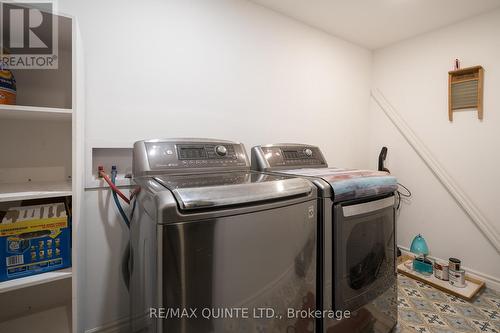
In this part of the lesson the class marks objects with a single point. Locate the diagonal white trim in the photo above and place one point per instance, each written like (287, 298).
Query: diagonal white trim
(438, 170)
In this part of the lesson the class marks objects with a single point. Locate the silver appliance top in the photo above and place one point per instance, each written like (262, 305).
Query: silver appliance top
(204, 173)
(231, 188)
(287, 156)
(182, 156)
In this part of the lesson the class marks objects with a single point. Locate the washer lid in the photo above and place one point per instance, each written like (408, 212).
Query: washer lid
(349, 184)
(231, 188)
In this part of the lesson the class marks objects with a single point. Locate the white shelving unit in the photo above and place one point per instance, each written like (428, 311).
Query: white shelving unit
(41, 156)
(34, 190)
(34, 280)
(34, 113)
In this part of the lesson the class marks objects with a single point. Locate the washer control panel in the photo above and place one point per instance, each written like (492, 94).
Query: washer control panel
(205, 152)
(172, 155)
(287, 156)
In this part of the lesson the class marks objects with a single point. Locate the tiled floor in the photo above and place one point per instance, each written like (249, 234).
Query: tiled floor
(424, 309)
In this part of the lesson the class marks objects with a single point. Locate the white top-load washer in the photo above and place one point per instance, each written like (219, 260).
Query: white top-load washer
(213, 243)
(356, 236)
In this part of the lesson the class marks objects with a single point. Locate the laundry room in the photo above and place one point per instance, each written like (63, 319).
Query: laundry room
(249, 166)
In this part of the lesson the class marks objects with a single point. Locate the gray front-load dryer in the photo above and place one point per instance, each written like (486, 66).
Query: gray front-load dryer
(216, 247)
(356, 237)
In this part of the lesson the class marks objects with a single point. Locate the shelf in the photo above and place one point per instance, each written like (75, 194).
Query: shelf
(468, 292)
(34, 280)
(34, 190)
(33, 113)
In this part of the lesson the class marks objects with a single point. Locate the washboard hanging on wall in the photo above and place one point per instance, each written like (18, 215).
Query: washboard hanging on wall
(465, 90)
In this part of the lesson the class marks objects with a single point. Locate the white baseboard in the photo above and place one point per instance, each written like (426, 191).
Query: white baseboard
(118, 326)
(491, 281)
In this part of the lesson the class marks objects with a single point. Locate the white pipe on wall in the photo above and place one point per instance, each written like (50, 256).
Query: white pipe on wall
(448, 182)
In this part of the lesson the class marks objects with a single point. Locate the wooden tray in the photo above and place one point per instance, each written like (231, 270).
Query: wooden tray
(472, 287)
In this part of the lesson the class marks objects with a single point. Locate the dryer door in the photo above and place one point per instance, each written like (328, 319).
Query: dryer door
(364, 252)
(264, 259)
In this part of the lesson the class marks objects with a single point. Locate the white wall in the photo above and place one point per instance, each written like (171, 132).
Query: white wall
(220, 68)
(413, 77)
(207, 68)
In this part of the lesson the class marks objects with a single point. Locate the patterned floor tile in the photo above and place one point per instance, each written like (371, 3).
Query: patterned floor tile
(410, 317)
(412, 292)
(460, 324)
(423, 285)
(407, 282)
(455, 299)
(434, 295)
(494, 301)
(485, 326)
(403, 303)
(491, 314)
(434, 319)
(401, 328)
(445, 308)
(441, 330)
(425, 309)
(469, 311)
(419, 329)
(483, 302)
(422, 305)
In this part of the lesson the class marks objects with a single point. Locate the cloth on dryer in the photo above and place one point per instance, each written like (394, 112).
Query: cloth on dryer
(350, 184)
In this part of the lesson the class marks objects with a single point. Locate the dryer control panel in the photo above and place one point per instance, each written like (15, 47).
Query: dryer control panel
(187, 155)
(287, 156)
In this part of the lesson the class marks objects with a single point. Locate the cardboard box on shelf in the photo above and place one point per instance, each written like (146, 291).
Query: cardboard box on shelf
(33, 240)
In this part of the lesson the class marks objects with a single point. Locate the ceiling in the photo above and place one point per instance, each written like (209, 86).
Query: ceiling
(378, 23)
